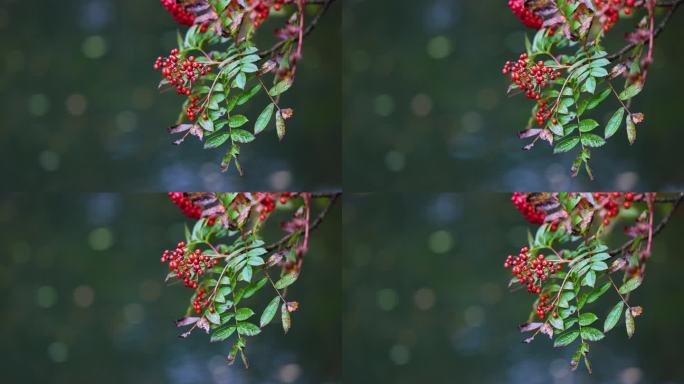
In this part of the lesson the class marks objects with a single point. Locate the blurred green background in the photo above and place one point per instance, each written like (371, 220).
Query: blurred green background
(426, 106)
(425, 299)
(82, 299)
(79, 107)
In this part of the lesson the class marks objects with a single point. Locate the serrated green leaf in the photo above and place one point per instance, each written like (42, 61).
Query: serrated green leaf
(587, 318)
(286, 280)
(630, 285)
(589, 85)
(598, 292)
(241, 136)
(222, 334)
(216, 141)
(629, 323)
(243, 314)
(269, 311)
(566, 144)
(214, 318)
(240, 80)
(614, 123)
(592, 334)
(630, 91)
(556, 322)
(599, 72)
(589, 279)
(255, 287)
(592, 140)
(280, 126)
(237, 121)
(280, 87)
(285, 317)
(565, 339)
(599, 266)
(264, 117)
(613, 317)
(587, 125)
(248, 329)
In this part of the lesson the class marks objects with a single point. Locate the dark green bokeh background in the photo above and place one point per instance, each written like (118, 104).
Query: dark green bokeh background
(111, 244)
(414, 122)
(426, 299)
(119, 143)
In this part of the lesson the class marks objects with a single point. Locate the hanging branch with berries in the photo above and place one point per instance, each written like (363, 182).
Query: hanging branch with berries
(218, 69)
(225, 261)
(567, 264)
(568, 73)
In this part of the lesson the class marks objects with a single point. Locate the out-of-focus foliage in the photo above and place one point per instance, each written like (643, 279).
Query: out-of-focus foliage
(82, 302)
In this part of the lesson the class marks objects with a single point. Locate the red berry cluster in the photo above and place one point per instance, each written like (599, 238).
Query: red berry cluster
(529, 76)
(259, 9)
(533, 272)
(178, 12)
(187, 266)
(609, 11)
(612, 202)
(267, 202)
(532, 214)
(190, 209)
(200, 302)
(525, 15)
(182, 72)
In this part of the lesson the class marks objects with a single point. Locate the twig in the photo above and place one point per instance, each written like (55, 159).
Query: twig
(325, 5)
(673, 5)
(312, 227)
(657, 230)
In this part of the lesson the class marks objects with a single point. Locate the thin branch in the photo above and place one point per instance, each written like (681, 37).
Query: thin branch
(673, 5)
(333, 198)
(657, 230)
(312, 25)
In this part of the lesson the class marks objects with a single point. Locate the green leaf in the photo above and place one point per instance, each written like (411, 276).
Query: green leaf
(285, 317)
(587, 125)
(599, 266)
(590, 85)
(566, 144)
(598, 292)
(286, 280)
(222, 334)
(565, 339)
(629, 323)
(269, 311)
(255, 287)
(214, 318)
(280, 87)
(631, 129)
(241, 136)
(240, 81)
(592, 334)
(246, 274)
(614, 123)
(216, 140)
(599, 72)
(280, 126)
(630, 92)
(613, 317)
(556, 322)
(589, 279)
(264, 117)
(215, 99)
(587, 318)
(246, 96)
(592, 140)
(237, 121)
(598, 99)
(207, 124)
(248, 329)
(630, 285)
(243, 314)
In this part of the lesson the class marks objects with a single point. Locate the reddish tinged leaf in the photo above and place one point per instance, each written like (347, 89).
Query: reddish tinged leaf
(527, 327)
(547, 330)
(275, 259)
(185, 321)
(179, 128)
(203, 324)
(617, 265)
(530, 132)
(636, 311)
(292, 306)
